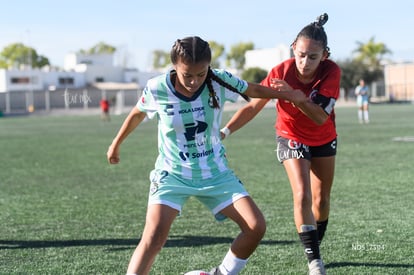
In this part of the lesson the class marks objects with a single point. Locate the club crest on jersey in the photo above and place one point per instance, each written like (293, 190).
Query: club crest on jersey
(153, 187)
(294, 145)
(211, 101)
(313, 94)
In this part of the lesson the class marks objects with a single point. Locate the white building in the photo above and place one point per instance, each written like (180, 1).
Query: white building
(96, 67)
(17, 80)
(266, 59)
(84, 76)
(92, 77)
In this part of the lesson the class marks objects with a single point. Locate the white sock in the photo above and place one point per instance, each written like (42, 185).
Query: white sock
(366, 116)
(360, 115)
(232, 265)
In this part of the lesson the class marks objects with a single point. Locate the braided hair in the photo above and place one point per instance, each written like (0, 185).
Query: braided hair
(193, 49)
(315, 31)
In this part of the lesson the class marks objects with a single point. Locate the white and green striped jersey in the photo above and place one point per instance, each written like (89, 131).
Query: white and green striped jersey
(189, 141)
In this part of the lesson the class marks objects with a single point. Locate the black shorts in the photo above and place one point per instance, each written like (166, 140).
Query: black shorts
(289, 149)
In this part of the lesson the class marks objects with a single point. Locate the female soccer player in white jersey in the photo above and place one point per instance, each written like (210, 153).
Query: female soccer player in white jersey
(188, 103)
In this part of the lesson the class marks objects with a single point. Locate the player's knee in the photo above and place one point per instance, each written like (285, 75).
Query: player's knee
(260, 229)
(302, 200)
(154, 243)
(257, 230)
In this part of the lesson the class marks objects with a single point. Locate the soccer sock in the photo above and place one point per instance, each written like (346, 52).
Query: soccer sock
(232, 265)
(309, 239)
(366, 116)
(360, 115)
(321, 227)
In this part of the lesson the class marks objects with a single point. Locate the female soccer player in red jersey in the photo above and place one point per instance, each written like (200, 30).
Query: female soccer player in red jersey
(306, 134)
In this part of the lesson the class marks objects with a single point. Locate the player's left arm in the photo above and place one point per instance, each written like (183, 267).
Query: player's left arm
(323, 98)
(318, 112)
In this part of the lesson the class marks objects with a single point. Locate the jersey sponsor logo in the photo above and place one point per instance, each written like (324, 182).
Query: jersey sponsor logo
(191, 110)
(204, 153)
(191, 129)
(202, 140)
(169, 110)
(184, 156)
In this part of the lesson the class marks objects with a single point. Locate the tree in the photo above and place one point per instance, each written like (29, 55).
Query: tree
(99, 48)
(160, 59)
(254, 75)
(18, 54)
(352, 71)
(365, 65)
(217, 51)
(236, 56)
(371, 55)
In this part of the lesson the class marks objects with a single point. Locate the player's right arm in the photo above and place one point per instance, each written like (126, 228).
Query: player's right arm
(134, 118)
(245, 114)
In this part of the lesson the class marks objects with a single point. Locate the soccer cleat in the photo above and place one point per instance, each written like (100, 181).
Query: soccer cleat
(215, 271)
(316, 267)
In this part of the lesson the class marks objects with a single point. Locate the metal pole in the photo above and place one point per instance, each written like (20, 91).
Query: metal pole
(85, 99)
(47, 100)
(8, 105)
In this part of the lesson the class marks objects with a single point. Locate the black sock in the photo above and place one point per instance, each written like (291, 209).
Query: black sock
(310, 242)
(321, 227)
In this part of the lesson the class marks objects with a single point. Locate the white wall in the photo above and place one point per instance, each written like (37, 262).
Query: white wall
(107, 73)
(35, 76)
(73, 59)
(266, 58)
(51, 78)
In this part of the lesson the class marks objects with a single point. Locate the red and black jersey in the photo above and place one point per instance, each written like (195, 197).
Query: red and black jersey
(291, 122)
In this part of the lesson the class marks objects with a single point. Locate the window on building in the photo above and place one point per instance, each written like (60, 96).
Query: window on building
(86, 61)
(20, 80)
(66, 81)
(99, 79)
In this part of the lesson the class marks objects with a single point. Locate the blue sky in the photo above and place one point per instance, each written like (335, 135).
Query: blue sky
(55, 28)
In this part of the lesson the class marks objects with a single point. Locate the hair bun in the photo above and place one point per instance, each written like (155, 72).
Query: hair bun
(321, 20)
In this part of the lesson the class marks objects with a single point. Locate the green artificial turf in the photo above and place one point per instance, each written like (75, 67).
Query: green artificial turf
(64, 210)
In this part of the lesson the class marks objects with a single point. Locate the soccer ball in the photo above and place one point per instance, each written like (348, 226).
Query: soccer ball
(197, 272)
